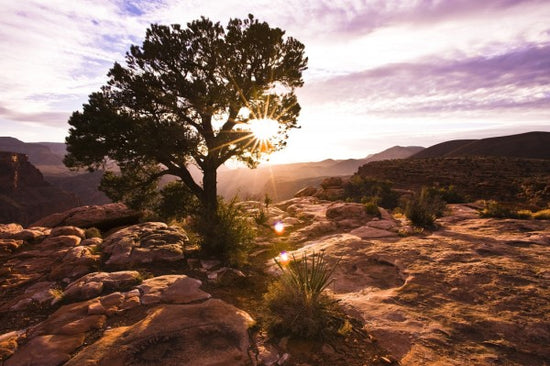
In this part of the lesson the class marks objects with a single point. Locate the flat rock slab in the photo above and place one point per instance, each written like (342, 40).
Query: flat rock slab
(174, 289)
(145, 243)
(103, 217)
(206, 334)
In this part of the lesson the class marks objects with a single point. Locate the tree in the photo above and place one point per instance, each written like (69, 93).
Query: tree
(190, 96)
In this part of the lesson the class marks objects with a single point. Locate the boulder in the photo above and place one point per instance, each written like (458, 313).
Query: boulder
(145, 243)
(68, 230)
(93, 284)
(206, 334)
(368, 232)
(47, 350)
(8, 230)
(306, 192)
(173, 289)
(347, 210)
(103, 217)
(77, 262)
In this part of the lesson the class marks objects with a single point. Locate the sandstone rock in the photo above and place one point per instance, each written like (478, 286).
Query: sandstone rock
(145, 243)
(8, 344)
(24, 194)
(77, 262)
(332, 182)
(368, 232)
(331, 194)
(343, 210)
(382, 224)
(205, 334)
(307, 191)
(104, 217)
(33, 234)
(47, 350)
(226, 276)
(8, 230)
(8, 246)
(175, 289)
(93, 284)
(68, 230)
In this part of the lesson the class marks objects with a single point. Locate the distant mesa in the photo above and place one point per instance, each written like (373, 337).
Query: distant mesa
(530, 145)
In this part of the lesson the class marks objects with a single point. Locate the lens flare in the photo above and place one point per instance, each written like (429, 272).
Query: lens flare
(283, 257)
(279, 227)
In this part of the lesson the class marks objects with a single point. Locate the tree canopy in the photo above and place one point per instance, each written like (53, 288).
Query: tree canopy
(188, 96)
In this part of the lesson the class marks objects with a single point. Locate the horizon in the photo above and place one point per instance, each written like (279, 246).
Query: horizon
(378, 77)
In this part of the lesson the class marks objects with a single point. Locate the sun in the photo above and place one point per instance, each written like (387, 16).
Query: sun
(263, 129)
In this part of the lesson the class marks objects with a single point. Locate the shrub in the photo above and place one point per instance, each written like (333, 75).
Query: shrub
(502, 211)
(542, 215)
(367, 189)
(424, 208)
(92, 232)
(297, 303)
(228, 235)
(372, 209)
(176, 202)
(448, 194)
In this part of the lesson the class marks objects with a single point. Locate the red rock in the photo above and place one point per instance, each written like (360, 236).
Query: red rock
(103, 217)
(47, 350)
(145, 243)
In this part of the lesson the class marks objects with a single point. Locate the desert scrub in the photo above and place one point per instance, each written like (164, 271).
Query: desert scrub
(297, 304)
(542, 215)
(502, 211)
(228, 236)
(424, 208)
(371, 207)
(93, 232)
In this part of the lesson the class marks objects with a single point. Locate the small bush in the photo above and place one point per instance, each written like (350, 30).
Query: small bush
(261, 217)
(502, 211)
(542, 215)
(424, 208)
(297, 304)
(372, 209)
(448, 194)
(228, 235)
(363, 189)
(92, 232)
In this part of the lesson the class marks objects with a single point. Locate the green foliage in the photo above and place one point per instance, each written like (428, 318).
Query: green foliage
(367, 189)
(267, 200)
(448, 194)
(372, 209)
(297, 303)
(227, 235)
(261, 217)
(176, 202)
(424, 208)
(498, 210)
(92, 232)
(157, 114)
(542, 215)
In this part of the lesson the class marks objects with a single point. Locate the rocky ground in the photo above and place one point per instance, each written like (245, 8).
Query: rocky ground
(476, 291)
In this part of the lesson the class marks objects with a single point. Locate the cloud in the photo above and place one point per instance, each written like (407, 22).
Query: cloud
(44, 118)
(518, 79)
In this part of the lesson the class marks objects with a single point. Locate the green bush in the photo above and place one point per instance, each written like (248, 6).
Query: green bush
(176, 202)
(372, 209)
(297, 303)
(364, 189)
(542, 215)
(228, 235)
(448, 194)
(498, 210)
(92, 232)
(424, 208)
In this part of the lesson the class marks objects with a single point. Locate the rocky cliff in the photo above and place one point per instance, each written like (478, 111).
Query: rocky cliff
(24, 194)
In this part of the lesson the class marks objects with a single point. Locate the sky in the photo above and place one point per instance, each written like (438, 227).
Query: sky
(380, 72)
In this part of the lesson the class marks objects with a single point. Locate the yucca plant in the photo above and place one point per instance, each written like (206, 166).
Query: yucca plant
(298, 304)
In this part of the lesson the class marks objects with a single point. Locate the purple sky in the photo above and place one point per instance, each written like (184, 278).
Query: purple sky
(381, 72)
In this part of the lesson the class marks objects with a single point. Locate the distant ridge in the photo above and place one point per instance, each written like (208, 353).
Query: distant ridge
(530, 145)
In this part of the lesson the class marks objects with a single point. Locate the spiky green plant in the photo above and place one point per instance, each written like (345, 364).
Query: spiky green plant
(298, 304)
